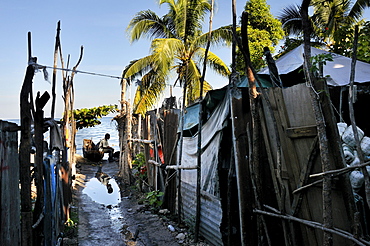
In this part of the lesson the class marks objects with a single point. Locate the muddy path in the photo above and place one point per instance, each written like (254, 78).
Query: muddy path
(110, 216)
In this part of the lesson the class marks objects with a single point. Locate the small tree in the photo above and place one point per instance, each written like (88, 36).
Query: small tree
(263, 31)
(89, 117)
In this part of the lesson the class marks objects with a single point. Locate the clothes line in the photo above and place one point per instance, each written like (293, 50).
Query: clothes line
(90, 73)
(38, 66)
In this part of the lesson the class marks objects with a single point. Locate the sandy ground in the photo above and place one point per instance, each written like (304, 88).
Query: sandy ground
(106, 218)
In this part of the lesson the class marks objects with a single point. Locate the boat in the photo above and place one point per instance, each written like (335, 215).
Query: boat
(91, 151)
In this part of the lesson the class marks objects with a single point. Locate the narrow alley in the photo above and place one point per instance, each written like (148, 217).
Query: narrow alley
(109, 216)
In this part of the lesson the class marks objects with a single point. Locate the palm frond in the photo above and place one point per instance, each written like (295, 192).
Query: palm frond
(291, 19)
(193, 83)
(164, 52)
(222, 36)
(148, 92)
(358, 8)
(148, 24)
(138, 67)
(215, 62)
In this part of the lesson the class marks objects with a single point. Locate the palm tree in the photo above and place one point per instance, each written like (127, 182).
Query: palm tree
(328, 17)
(177, 46)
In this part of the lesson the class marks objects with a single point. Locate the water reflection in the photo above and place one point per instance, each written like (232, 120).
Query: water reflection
(103, 189)
(104, 179)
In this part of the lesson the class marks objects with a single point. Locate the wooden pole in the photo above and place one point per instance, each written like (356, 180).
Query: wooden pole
(352, 117)
(233, 48)
(320, 122)
(57, 42)
(273, 71)
(200, 126)
(181, 141)
(39, 162)
(29, 46)
(280, 189)
(24, 158)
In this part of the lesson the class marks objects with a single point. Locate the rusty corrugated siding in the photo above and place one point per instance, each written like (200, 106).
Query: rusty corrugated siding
(210, 216)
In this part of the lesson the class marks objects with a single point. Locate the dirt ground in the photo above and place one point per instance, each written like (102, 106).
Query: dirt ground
(121, 221)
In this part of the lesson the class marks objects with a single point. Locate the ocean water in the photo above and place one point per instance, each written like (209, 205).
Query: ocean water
(95, 133)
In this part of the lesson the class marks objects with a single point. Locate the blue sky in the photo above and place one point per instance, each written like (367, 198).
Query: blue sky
(100, 26)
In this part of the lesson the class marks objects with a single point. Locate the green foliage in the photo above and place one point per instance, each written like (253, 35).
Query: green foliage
(71, 225)
(153, 198)
(343, 41)
(320, 59)
(89, 117)
(363, 51)
(263, 31)
(138, 164)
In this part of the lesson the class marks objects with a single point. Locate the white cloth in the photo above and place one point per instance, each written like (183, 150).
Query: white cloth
(55, 135)
(211, 139)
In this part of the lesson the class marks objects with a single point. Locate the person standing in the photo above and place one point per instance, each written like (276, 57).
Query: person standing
(104, 147)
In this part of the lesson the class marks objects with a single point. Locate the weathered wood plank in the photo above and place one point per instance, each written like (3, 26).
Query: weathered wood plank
(9, 186)
(171, 122)
(300, 132)
(296, 125)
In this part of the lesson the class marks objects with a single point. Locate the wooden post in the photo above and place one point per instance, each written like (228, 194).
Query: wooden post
(181, 142)
(39, 162)
(200, 126)
(169, 153)
(353, 120)
(273, 71)
(57, 42)
(71, 105)
(24, 158)
(320, 122)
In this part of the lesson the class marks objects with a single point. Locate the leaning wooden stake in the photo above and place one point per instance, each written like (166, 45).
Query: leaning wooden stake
(353, 120)
(320, 122)
(57, 42)
(252, 170)
(247, 235)
(200, 126)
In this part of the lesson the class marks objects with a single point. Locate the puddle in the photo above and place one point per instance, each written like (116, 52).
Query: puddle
(103, 190)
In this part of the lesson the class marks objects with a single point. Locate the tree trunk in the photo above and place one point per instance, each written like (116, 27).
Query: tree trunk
(122, 120)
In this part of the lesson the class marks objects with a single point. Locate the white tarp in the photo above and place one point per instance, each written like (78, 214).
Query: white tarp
(211, 138)
(339, 70)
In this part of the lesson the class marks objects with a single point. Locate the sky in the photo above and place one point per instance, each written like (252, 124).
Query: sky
(98, 26)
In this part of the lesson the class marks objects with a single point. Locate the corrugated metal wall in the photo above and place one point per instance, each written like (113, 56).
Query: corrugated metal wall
(210, 216)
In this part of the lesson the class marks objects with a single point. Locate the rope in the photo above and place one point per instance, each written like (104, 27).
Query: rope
(90, 73)
(38, 66)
